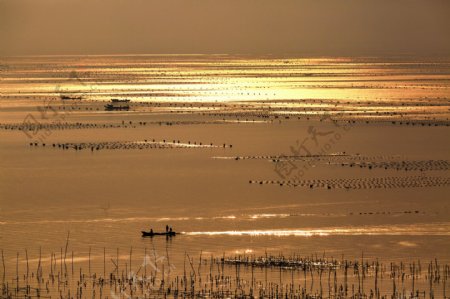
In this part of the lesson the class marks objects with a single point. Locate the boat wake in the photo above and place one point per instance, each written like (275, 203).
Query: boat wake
(432, 229)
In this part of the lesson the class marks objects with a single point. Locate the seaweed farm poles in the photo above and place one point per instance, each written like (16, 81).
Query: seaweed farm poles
(269, 276)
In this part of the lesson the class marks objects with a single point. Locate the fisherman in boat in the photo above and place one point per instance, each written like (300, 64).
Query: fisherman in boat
(169, 232)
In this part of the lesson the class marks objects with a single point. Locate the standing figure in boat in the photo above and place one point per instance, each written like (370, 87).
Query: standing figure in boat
(168, 233)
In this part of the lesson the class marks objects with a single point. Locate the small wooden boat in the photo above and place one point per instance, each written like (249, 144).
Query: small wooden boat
(153, 234)
(64, 97)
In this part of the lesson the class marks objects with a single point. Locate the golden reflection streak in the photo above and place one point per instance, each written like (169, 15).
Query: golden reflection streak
(400, 230)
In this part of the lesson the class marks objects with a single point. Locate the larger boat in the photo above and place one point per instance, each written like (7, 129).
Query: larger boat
(118, 104)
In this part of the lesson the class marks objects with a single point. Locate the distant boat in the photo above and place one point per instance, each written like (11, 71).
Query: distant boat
(118, 104)
(152, 234)
(63, 97)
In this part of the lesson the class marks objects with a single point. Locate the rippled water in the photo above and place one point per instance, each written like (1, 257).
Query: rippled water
(104, 199)
(225, 78)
